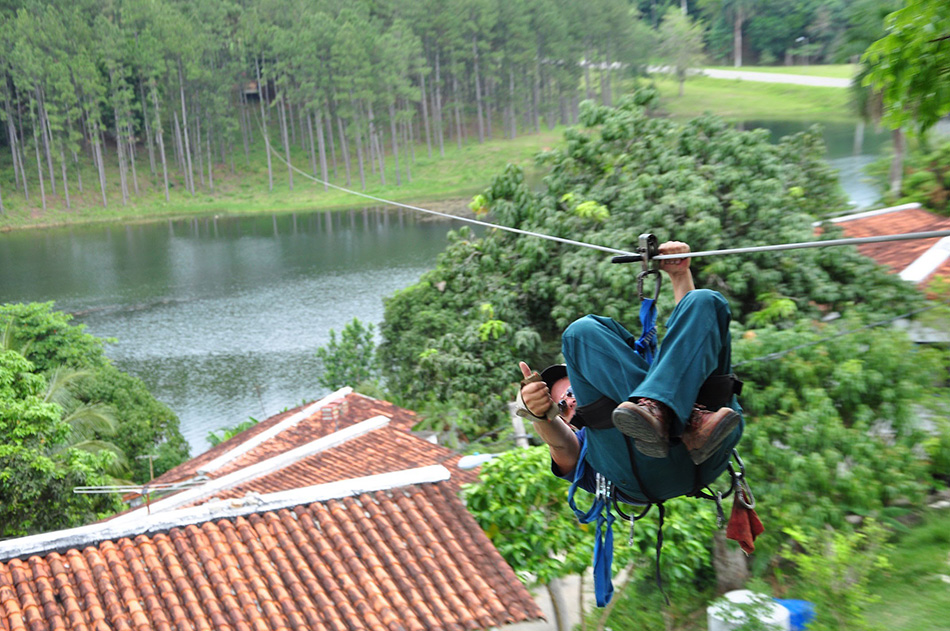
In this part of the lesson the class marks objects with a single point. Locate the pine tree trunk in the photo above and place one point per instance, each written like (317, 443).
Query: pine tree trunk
(478, 95)
(282, 119)
(322, 150)
(359, 145)
(39, 162)
(47, 139)
(148, 130)
(488, 107)
(245, 131)
(186, 148)
(511, 105)
(97, 159)
(329, 136)
(425, 112)
(392, 131)
(198, 157)
(12, 135)
(160, 136)
(458, 110)
(260, 94)
(21, 145)
(312, 152)
(210, 160)
(739, 19)
(120, 153)
(376, 144)
(588, 88)
(609, 88)
(62, 162)
(179, 153)
(131, 140)
(344, 149)
(437, 108)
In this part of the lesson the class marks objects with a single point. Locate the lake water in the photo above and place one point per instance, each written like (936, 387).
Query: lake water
(221, 317)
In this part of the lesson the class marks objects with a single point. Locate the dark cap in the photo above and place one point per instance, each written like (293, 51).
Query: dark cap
(552, 374)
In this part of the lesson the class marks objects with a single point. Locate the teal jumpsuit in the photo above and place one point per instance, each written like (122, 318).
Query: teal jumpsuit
(601, 363)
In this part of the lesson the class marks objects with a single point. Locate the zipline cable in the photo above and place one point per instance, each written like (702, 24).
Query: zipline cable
(623, 256)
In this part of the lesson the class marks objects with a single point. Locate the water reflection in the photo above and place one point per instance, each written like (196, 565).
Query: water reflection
(851, 147)
(221, 316)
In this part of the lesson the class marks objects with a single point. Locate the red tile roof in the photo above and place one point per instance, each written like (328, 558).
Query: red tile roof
(408, 558)
(316, 545)
(898, 256)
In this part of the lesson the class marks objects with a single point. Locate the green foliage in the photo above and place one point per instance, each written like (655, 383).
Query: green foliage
(143, 425)
(524, 511)
(926, 178)
(38, 470)
(681, 43)
(909, 65)
(226, 433)
(835, 428)
(351, 360)
(836, 567)
(48, 339)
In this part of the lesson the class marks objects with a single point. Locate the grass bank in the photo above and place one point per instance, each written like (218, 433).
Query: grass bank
(461, 173)
(737, 100)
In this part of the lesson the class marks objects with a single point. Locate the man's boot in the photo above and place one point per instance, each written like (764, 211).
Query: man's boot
(646, 422)
(706, 430)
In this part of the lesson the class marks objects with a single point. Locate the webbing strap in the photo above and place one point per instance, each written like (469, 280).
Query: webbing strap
(646, 345)
(604, 543)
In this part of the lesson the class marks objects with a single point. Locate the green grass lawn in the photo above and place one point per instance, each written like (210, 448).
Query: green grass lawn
(915, 592)
(461, 173)
(835, 71)
(737, 100)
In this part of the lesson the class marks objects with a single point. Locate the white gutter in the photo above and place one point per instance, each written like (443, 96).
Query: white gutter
(269, 433)
(246, 474)
(83, 536)
(928, 262)
(869, 213)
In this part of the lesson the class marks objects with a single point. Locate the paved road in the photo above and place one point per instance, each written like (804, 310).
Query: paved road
(769, 77)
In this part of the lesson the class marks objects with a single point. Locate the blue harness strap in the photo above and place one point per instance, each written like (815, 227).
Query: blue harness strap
(646, 345)
(600, 513)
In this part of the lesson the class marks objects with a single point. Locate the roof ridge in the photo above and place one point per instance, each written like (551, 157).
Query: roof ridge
(93, 534)
(869, 213)
(270, 432)
(258, 469)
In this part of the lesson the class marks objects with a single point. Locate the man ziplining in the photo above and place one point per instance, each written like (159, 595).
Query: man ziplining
(679, 415)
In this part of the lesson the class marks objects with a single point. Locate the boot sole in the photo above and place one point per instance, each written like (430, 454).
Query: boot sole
(645, 438)
(720, 433)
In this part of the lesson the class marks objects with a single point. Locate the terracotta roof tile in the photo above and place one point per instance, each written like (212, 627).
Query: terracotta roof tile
(897, 256)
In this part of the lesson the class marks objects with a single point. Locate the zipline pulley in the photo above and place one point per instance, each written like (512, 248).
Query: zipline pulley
(649, 247)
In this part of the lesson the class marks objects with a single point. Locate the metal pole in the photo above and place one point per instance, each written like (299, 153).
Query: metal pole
(791, 246)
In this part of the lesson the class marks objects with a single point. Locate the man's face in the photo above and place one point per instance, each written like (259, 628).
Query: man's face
(563, 397)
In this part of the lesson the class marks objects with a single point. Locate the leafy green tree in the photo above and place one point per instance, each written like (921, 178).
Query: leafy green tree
(143, 425)
(681, 43)
(909, 65)
(351, 359)
(227, 433)
(38, 470)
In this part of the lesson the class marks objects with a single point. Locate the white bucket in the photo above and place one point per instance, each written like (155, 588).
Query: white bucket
(728, 614)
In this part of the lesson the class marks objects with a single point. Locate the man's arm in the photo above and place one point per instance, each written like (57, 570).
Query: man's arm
(559, 437)
(677, 269)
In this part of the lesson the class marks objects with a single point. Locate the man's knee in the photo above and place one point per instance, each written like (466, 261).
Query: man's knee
(705, 299)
